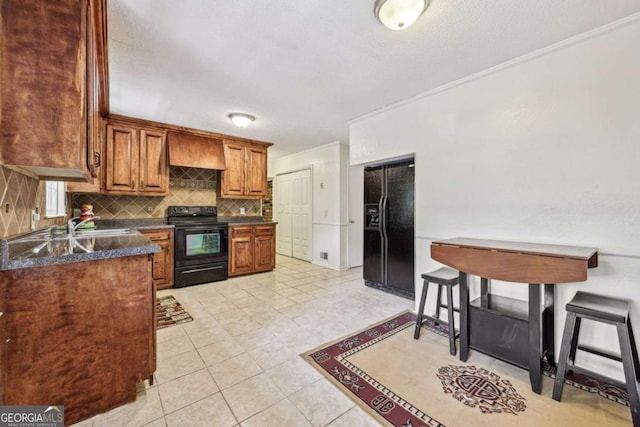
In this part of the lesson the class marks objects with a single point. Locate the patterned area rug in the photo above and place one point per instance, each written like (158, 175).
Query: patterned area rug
(406, 382)
(169, 312)
(584, 382)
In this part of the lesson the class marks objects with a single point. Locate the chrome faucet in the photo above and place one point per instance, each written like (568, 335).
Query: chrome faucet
(71, 228)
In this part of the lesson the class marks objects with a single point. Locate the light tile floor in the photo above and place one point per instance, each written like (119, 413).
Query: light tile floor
(238, 363)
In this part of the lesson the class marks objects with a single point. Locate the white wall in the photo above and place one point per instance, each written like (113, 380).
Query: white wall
(356, 216)
(544, 149)
(330, 164)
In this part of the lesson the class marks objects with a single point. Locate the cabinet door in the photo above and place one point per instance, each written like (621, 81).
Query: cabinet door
(121, 159)
(241, 250)
(43, 87)
(232, 182)
(264, 248)
(96, 186)
(153, 162)
(96, 69)
(162, 266)
(159, 272)
(256, 171)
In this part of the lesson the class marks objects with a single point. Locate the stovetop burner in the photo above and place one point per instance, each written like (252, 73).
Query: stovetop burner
(185, 216)
(192, 211)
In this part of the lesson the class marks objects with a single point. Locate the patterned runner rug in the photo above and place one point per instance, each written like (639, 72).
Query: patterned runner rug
(169, 312)
(406, 382)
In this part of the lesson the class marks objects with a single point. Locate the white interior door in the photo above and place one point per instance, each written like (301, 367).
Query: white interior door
(292, 205)
(282, 209)
(301, 214)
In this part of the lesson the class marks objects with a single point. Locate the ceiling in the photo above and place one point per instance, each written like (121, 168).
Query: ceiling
(305, 68)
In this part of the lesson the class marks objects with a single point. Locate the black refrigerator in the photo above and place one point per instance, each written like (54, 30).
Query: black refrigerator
(389, 227)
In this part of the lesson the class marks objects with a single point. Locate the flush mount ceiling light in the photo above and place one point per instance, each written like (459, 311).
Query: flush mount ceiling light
(241, 120)
(399, 14)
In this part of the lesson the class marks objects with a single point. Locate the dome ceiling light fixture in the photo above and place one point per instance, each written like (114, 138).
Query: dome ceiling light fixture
(399, 14)
(241, 120)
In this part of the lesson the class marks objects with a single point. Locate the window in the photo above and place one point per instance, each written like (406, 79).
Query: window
(54, 194)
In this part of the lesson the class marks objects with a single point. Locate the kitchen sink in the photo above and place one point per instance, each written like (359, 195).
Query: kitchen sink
(51, 243)
(107, 232)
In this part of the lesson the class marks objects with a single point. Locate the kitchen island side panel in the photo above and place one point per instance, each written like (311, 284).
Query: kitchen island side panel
(79, 335)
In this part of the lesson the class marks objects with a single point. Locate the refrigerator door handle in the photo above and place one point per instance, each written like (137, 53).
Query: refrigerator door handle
(382, 241)
(383, 217)
(385, 239)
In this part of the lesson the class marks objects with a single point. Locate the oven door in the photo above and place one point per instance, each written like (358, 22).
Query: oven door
(200, 244)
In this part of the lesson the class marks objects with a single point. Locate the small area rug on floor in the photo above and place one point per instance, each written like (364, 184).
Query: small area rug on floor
(169, 312)
(585, 382)
(406, 382)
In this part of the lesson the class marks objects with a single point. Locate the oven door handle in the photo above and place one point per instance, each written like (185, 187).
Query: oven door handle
(190, 228)
(197, 270)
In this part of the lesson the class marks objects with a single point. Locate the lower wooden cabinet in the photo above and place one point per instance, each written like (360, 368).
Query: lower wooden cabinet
(252, 248)
(162, 265)
(80, 334)
(264, 246)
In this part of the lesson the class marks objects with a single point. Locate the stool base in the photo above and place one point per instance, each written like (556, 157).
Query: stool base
(629, 355)
(442, 277)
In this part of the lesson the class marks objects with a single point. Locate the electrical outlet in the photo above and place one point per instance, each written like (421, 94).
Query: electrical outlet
(324, 255)
(241, 211)
(34, 218)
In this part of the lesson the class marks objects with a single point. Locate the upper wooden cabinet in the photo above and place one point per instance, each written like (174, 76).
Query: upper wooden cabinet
(53, 74)
(246, 173)
(135, 160)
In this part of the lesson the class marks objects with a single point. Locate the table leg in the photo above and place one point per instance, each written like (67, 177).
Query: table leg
(484, 286)
(484, 292)
(464, 317)
(535, 373)
(549, 325)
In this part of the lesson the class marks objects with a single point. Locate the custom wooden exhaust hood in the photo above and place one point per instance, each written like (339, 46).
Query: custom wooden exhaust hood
(186, 149)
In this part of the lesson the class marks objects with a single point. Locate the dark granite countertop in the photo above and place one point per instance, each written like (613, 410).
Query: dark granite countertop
(244, 220)
(41, 248)
(159, 223)
(138, 224)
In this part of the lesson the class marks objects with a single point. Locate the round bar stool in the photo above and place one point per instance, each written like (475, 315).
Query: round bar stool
(609, 310)
(444, 276)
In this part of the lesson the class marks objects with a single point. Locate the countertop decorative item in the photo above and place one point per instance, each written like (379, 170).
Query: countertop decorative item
(86, 213)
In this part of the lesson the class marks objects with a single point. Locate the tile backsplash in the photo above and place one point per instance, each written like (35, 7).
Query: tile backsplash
(19, 194)
(187, 186)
